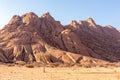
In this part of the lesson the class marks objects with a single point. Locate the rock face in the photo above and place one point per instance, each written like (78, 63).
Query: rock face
(43, 39)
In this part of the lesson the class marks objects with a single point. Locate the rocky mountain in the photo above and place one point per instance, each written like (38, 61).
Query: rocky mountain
(31, 38)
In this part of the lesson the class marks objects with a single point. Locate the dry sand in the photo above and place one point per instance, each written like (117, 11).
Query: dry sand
(58, 73)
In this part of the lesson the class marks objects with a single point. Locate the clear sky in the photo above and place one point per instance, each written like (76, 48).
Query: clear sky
(104, 12)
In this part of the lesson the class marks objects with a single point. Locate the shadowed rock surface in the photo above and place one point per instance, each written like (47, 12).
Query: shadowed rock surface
(31, 38)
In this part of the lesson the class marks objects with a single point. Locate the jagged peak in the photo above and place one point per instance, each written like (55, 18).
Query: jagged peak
(30, 18)
(48, 16)
(23, 18)
(14, 19)
(91, 21)
(29, 14)
(16, 16)
(73, 22)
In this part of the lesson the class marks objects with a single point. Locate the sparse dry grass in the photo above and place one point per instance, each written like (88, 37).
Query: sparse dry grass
(58, 73)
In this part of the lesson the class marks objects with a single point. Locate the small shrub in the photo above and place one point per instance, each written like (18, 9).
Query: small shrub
(29, 66)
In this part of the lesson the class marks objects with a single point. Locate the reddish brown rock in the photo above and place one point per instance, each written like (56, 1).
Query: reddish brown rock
(43, 39)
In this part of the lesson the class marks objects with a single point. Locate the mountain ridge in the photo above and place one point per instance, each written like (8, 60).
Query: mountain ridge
(31, 38)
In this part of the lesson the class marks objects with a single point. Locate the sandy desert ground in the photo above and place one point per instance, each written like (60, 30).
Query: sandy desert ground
(58, 73)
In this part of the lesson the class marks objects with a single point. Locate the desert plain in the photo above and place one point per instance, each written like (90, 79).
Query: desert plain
(58, 73)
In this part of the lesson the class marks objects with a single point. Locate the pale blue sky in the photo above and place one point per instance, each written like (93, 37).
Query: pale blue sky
(104, 12)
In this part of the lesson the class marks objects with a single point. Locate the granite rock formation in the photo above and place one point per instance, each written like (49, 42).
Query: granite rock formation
(31, 38)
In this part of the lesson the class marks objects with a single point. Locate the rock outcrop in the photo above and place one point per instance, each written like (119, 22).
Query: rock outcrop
(31, 38)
